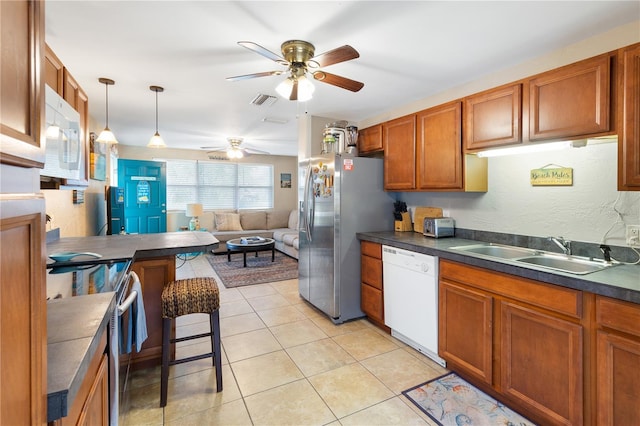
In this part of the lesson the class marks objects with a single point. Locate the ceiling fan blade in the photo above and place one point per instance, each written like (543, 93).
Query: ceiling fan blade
(255, 151)
(336, 80)
(261, 51)
(340, 54)
(294, 91)
(254, 75)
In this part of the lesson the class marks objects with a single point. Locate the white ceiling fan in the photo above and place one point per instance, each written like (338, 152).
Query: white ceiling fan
(234, 149)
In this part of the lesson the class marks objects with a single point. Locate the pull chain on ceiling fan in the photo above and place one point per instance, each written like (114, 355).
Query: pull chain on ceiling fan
(298, 57)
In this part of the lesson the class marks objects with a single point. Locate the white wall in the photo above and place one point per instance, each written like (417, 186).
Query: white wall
(585, 211)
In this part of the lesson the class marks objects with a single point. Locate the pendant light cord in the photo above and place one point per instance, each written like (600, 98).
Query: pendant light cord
(156, 112)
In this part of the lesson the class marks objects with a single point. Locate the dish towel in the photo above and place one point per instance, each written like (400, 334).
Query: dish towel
(137, 324)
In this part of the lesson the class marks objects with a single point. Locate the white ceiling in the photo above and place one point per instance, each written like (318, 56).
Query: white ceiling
(408, 51)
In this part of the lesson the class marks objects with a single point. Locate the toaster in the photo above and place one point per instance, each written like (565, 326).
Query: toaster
(438, 227)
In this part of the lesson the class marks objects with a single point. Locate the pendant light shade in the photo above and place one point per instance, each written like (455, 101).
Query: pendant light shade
(106, 135)
(156, 140)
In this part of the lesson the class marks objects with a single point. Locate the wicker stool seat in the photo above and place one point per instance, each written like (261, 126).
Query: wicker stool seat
(184, 297)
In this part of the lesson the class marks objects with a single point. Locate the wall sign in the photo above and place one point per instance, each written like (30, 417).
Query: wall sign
(552, 175)
(143, 192)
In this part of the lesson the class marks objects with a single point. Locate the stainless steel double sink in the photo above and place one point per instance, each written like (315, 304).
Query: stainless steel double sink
(560, 262)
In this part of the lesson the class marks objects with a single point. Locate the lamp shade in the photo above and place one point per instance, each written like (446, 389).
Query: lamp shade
(194, 210)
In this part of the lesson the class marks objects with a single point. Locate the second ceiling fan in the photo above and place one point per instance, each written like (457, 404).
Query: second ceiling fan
(298, 57)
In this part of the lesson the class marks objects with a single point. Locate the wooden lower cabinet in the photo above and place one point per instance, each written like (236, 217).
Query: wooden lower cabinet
(541, 363)
(519, 339)
(91, 404)
(618, 359)
(154, 273)
(372, 295)
(465, 324)
(23, 311)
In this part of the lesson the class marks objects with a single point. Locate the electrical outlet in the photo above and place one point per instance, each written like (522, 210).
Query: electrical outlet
(633, 235)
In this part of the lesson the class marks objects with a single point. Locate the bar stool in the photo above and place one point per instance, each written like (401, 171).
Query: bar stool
(183, 297)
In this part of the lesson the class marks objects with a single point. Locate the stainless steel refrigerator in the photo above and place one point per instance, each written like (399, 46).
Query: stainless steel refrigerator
(342, 195)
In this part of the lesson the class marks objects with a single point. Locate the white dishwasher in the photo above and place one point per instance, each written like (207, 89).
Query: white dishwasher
(411, 299)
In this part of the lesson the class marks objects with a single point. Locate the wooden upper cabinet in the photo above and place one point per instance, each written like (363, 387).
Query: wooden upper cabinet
(629, 115)
(439, 147)
(493, 118)
(573, 100)
(370, 139)
(53, 71)
(21, 85)
(399, 141)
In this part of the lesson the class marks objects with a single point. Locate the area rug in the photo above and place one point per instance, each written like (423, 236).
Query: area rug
(451, 401)
(259, 269)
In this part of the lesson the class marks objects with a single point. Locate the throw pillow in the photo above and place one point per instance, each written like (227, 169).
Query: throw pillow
(228, 222)
(277, 219)
(253, 220)
(293, 219)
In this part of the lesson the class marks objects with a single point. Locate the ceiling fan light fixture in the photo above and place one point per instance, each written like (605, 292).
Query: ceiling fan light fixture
(234, 153)
(305, 88)
(106, 135)
(156, 140)
(285, 87)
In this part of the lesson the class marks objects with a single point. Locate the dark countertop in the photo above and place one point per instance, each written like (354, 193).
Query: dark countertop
(619, 282)
(74, 324)
(74, 327)
(132, 246)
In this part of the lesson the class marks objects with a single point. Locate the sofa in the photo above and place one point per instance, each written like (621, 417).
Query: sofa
(279, 224)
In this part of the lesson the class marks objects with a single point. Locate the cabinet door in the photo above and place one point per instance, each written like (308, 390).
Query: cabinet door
(23, 314)
(399, 139)
(96, 407)
(493, 118)
(541, 363)
(439, 147)
(618, 380)
(370, 139)
(154, 273)
(571, 101)
(21, 84)
(465, 329)
(629, 142)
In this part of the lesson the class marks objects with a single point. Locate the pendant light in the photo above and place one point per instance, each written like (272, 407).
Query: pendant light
(156, 141)
(106, 135)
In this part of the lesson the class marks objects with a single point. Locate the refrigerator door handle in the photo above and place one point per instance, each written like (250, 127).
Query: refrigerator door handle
(305, 215)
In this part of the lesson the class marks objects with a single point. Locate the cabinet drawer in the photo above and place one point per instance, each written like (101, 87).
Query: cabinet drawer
(371, 249)
(554, 298)
(372, 302)
(619, 315)
(371, 271)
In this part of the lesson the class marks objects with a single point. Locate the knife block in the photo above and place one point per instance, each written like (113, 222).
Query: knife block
(404, 224)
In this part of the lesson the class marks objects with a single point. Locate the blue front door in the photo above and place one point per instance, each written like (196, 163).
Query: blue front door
(145, 195)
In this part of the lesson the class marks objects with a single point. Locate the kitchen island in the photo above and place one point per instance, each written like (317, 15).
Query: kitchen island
(77, 326)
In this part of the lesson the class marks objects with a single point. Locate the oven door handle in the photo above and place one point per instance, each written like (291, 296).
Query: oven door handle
(122, 308)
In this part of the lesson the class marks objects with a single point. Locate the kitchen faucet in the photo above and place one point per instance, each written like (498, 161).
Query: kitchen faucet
(565, 245)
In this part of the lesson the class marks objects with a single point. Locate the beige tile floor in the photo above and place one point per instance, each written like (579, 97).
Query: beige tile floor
(284, 363)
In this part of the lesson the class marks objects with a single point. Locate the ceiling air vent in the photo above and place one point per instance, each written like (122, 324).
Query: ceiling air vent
(265, 100)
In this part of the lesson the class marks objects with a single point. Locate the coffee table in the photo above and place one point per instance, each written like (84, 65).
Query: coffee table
(237, 246)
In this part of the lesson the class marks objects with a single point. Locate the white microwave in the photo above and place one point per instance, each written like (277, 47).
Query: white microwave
(64, 148)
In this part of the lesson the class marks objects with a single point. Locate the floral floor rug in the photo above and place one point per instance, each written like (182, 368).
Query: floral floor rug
(450, 401)
(259, 269)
